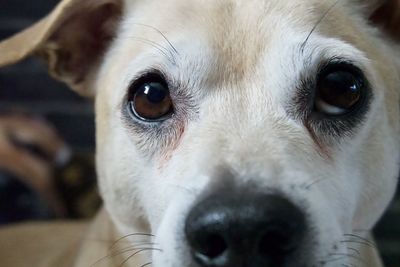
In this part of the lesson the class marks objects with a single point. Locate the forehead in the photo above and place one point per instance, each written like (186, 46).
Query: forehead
(227, 39)
(237, 32)
(234, 22)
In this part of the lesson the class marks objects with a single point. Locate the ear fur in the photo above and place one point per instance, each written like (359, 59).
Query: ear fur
(72, 39)
(385, 14)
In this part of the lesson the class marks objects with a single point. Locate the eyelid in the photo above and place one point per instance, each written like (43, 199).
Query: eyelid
(338, 62)
(150, 73)
(328, 128)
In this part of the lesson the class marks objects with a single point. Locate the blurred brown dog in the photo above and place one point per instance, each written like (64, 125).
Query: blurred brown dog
(209, 111)
(30, 169)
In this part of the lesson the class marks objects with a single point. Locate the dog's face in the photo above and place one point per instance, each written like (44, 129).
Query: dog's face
(248, 133)
(241, 101)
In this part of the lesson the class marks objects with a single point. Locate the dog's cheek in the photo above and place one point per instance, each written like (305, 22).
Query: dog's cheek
(120, 170)
(380, 174)
(172, 191)
(170, 235)
(164, 190)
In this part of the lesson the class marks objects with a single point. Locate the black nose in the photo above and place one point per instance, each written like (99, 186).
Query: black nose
(237, 230)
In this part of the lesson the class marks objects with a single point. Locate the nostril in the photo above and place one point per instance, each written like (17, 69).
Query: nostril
(216, 246)
(275, 242)
(212, 246)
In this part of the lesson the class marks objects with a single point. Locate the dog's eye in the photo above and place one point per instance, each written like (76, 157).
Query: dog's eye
(150, 99)
(340, 88)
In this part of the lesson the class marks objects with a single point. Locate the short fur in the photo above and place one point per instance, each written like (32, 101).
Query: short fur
(238, 65)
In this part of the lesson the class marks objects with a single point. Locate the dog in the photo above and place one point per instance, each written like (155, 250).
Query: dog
(230, 133)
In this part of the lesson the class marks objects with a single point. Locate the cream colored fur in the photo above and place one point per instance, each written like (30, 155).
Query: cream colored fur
(241, 61)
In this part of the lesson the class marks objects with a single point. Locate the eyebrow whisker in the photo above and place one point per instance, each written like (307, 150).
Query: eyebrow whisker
(303, 45)
(157, 46)
(161, 33)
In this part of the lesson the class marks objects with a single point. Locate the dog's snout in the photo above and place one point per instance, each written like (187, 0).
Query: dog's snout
(244, 230)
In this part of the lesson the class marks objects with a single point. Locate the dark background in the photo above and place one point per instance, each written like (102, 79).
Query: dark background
(27, 86)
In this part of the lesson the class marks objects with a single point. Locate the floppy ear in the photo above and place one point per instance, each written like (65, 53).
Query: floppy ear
(72, 39)
(385, 14)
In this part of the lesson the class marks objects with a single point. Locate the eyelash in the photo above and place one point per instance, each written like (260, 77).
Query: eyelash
(323, 126)
(157, 134)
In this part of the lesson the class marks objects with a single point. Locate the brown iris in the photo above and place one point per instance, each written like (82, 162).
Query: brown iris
(151, 101)
(338, 91)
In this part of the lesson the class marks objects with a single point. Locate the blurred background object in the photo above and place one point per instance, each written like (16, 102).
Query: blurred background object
(30, 150)
(27, 87)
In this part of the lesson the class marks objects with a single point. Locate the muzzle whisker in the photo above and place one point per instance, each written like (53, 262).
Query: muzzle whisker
(120, 252)
(361, 238)
(324, 262)
(135, 245)
(368, 244)
(136, 253)
(350, 256)
(130, 235)
(356, 251)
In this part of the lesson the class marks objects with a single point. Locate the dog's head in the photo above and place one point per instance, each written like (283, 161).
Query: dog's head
(240, 133)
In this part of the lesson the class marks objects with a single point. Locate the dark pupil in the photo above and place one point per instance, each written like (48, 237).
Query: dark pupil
(155, 92)
(340, 89)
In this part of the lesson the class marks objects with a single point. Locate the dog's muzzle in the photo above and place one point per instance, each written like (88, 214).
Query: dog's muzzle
(237, 230)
